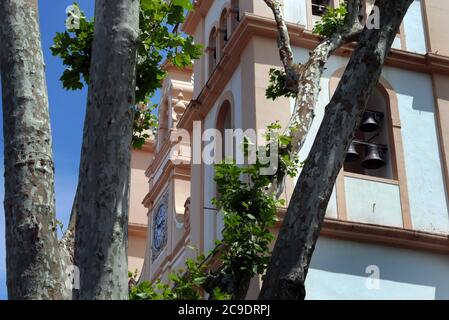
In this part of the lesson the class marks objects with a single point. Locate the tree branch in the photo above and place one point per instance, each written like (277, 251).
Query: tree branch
(285, 50)
(305, 79)
(33, 262)
(297, 238)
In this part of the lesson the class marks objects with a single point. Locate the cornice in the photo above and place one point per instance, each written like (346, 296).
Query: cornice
(158, 157)
(200, 10)
(137, 229)
(380, 235)
(149, 145)
(385, 235)
(253, 25)
(170, 171)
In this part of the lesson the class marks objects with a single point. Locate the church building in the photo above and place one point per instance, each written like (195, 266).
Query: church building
(386, 232)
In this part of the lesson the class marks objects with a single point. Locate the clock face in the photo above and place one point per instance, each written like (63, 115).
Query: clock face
(159, 228)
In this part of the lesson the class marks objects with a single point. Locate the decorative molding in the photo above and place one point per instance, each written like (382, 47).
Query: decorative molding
(370, 178)
(160, 218)
(149, 145)
(166, 263)
(201, 8)
(158, 158)
(187, 214)
(254, 25)
(384, 235)
(170, 170)
(380, 235)
(137, 229)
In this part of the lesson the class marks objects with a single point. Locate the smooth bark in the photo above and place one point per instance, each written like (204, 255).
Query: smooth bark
(297, 238)
(35, 269)
(304, 79)
(103, 191)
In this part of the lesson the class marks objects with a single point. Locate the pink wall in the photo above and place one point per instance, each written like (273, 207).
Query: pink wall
(140, 161)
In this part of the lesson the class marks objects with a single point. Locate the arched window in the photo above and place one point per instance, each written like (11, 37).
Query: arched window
(212, 51)
(372, 151)
(224, 122)
(235, 14)
(223, 152)
(223, 32)
(372, 187)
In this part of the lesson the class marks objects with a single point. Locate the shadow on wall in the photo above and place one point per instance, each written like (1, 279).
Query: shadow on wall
(403, 273)
(428, 200)
(416, 86)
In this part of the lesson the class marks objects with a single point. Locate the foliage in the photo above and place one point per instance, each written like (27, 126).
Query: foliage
(156, 43)
(287, 164)
(277, 86)
(331, 21)
(74, 47)
(145, 124)
(249, 213)
(158, 40)
(184, 284)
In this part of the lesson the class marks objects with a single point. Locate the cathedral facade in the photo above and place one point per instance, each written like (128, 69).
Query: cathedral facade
(386, 230)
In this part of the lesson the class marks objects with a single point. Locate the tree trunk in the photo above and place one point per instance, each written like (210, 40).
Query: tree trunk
(295, 244)
(304, 79)
(101, 231)
(33, 261)
(308, 86)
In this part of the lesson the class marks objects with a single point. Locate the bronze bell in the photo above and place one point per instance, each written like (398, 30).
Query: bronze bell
(352, 154)
(374, 157)
(370, 122)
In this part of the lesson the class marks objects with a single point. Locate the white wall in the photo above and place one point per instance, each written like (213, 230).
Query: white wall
(334, 63)
(211, 223)
(373, 202)
(295, 11)
(428, 203)
(414, 29)
(339, 271)
(427, 195)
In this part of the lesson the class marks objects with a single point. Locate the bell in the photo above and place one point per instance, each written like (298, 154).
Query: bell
(374, 158)
(352, 154)
(370, 122)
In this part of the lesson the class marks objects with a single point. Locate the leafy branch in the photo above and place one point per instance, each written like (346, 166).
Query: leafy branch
(332, 20)
(159, 40)
(250, 211)
(277, 87)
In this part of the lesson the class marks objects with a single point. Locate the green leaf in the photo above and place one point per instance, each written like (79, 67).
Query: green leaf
(186, 4)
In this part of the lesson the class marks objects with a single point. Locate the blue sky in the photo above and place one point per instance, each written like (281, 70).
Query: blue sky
(67, 109)
(67, 115)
